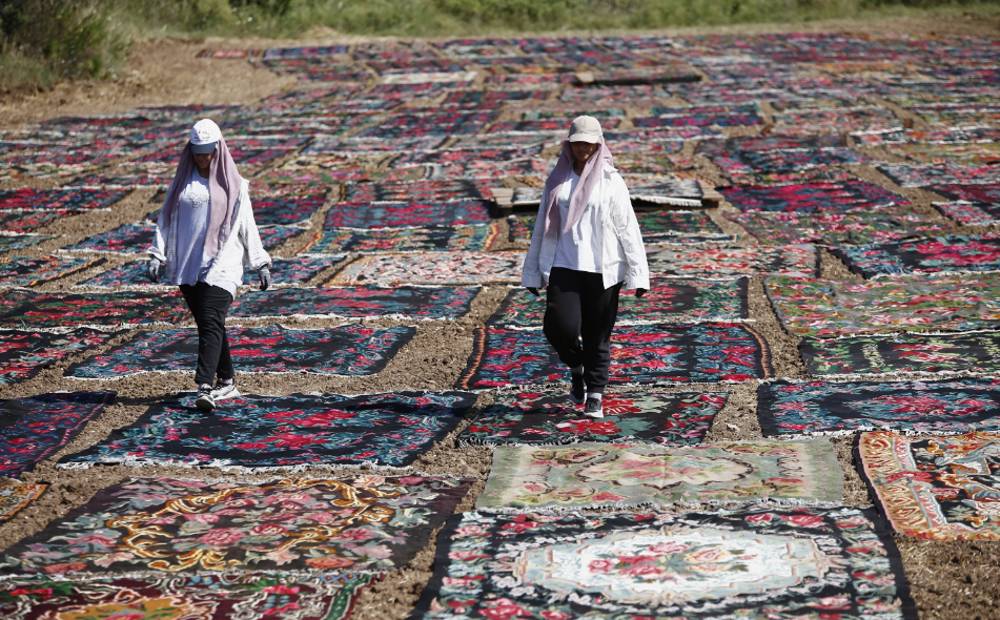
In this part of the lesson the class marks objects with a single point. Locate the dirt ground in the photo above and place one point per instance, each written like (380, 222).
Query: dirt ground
(948, 580)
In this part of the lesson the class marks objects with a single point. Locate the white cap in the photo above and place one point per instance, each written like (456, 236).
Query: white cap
(585, 129)
(204, 134)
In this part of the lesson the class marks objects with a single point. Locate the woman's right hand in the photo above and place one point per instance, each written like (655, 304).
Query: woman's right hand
(154, 269)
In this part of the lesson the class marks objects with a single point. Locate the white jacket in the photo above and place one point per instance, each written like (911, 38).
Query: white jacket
(618, 245)
(242, 248)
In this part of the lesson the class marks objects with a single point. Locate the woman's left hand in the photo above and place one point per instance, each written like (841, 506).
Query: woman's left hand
(265, 278)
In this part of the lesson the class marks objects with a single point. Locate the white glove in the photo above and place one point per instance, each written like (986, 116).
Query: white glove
(154, 269)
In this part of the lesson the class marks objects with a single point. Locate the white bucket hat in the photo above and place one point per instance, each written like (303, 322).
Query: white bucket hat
(585, 129)
(204, 136)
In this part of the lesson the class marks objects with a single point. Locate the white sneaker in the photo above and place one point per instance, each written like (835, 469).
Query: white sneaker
(594, 408)
(205, 402)
(224, 390)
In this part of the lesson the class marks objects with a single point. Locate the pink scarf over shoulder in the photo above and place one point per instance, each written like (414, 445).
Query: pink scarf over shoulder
(593, 172)
(224, 182)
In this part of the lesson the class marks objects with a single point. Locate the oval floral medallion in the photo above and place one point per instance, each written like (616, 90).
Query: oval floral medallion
(674, 565)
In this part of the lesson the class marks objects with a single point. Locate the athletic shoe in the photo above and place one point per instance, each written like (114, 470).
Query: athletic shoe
(577, 391)
(594, 408)
(204, 401)
(224, 390)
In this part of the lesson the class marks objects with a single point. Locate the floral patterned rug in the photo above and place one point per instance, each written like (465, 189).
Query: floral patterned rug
(715, 261)
(293, 271)
(76, 200)
(953, 406)
(280, 526)
(25, 353)
(346, 350)
(288, 204)
(136, 238)
(284, 431)
(35, 270)
(409, 302)
(622, 475)
(211, 597)
(784, 166)
(415, 192)
(914, 303)
(988, 193)
(937, 487)
(657, 226)
(793, 563)
(950, 253)
(976, 352)
(706, 352)
(27, 222)
(433, 268)
(42, 309)
(921, 175)
(669, 300)
(34, 428)
(408, 214)
(546, 417)
(971, 213)
(810, 197)
(16, 495)
(857, 226)
(438, 238)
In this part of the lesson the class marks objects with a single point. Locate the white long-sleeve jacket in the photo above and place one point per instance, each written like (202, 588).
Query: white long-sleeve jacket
(242, 248)
(618, 243)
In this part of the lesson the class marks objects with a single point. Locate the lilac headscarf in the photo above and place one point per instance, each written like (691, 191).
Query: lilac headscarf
(593, 172)
(224, 182)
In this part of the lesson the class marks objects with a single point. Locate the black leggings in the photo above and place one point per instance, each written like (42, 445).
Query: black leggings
(209, 306)
(579, 307)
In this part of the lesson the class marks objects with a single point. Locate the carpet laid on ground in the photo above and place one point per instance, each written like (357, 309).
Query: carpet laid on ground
(971, 213)
(441, 239)
(36, 270)
(411, 302)
(632, 475)
(808, 307)
(891, 354)
(706, 352)
(696, 565)
(951, 406)
(34, 428)
(347, 350)
(669, 300)
(716, 261)
(16, 495)
(936, 487)
(25, 353)
(75, 199)
(950, 253)
(297, 270)
(328, 597)
(407, 214)
(810, 197)
(538, 417)
(281, 526)
(881, 224)
(41, 309)
(284, 431)
(433, 268)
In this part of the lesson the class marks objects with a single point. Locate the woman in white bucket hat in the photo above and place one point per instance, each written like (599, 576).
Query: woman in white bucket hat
(585, 248)
(205, 236)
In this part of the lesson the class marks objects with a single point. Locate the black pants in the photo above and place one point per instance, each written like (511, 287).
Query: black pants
(209, 306)
(579, 307)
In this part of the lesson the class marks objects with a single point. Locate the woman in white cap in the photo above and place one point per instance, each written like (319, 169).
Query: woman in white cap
(585, 247)
(205, 235)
